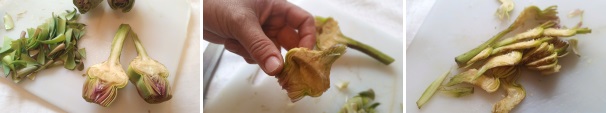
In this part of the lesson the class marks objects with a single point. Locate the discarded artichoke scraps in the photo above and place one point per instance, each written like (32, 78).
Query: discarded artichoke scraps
(330, 34)
(8, 22)
(53, 42)
(361, 103)
(103, 80)
(307, 72)
(537, 49)
(505, 8)
(149, 76)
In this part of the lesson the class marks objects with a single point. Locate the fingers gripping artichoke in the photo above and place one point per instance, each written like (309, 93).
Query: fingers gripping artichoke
(307, 72)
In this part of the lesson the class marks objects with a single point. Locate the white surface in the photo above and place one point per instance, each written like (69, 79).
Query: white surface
(243, 88)
(454, 27)
(63, 88)
(416, 11)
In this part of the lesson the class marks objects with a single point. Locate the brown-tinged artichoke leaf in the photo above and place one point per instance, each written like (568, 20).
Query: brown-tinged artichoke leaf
(307, 72)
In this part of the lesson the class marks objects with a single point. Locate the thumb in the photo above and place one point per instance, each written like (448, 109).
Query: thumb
(260, 47)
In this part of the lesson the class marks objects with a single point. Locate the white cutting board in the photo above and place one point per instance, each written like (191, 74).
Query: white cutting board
(454, 27)
(160, 24)
(250, 90)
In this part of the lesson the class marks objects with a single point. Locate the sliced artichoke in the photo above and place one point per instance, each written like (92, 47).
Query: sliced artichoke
(565, 32)
(149, 76)
(103, 80)
(532, 12)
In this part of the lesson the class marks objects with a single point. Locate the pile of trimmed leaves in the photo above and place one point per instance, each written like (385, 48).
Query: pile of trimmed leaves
(52, 43)
(497, 63)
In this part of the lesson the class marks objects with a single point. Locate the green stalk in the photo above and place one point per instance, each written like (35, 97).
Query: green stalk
(116, 48)
(372, 52)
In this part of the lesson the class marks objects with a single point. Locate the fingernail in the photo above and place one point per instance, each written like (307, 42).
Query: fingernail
(271, 64)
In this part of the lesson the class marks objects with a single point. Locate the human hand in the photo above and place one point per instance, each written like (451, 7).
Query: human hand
(256, 29)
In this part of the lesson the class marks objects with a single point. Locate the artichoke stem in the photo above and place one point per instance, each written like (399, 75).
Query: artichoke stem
(138, 45)
(116, 48)
(374, 53)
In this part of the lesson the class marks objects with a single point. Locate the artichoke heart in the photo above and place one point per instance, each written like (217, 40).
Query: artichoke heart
(307, 72)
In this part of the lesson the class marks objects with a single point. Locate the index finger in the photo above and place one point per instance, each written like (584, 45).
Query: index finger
(302, 21)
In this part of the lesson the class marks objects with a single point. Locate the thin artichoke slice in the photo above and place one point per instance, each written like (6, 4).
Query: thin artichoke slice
(521, 45)
(481, 56)
(515, 95)
(565, 32)
(509, 59)
(431, 90)
(530, 34)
